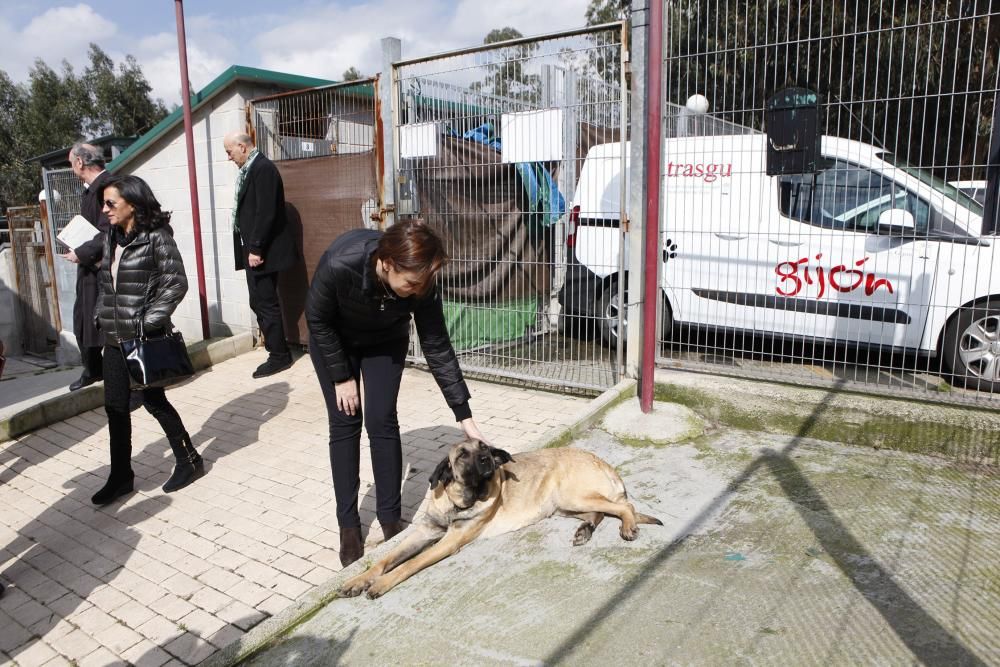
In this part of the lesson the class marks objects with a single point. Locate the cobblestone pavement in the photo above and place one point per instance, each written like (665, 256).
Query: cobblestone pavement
(170, 578)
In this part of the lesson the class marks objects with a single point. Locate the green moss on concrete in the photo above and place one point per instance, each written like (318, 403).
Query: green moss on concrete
(838, 424)
(573, 432)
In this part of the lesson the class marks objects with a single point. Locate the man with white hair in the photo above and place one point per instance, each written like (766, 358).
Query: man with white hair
(87, 162)
(262, 243)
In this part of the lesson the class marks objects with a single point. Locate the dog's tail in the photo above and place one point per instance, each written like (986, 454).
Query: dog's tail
(645, 518)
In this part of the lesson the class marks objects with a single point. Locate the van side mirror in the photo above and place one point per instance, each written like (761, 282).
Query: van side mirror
(896, 222)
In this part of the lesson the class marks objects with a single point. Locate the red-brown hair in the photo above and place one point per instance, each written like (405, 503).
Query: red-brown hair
(412, 246)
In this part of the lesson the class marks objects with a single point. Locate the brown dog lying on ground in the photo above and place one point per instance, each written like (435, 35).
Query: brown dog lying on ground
(480, 491)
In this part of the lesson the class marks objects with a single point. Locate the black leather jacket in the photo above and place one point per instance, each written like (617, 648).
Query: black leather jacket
(346, 308)
(151, 281)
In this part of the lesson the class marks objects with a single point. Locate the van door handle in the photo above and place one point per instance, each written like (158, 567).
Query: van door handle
(731, 237)
(785, 244)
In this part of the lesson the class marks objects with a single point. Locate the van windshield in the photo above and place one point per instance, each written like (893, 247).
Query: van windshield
(933, 181)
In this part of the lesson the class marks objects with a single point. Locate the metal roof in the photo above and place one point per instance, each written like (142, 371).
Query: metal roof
(229, 76)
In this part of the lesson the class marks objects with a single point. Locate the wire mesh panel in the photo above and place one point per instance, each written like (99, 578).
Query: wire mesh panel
(489, 145)
(810, 230)
(63, 194)
(326, 144)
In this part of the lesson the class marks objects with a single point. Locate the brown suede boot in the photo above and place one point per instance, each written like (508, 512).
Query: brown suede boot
(390, 530)
(351, 546)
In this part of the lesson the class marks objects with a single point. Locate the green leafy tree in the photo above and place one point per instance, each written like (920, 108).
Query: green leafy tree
(506, 75)
(119, 97)
(351, 74)
(913, 77)
(606, 11)
(52, 110)
(13, 179)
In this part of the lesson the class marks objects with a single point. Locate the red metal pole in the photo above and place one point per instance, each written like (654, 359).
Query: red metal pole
(651, 254)
(192, 171)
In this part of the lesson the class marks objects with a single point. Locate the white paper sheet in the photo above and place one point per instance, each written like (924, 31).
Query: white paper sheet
(77, 232)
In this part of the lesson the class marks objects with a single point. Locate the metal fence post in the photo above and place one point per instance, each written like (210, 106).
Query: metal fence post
(637, 191)
(392, 51)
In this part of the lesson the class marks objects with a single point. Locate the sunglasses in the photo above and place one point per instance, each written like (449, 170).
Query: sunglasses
(110, 203)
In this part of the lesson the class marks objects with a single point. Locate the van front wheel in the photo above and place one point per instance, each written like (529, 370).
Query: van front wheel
(610, 312)
(971, 349)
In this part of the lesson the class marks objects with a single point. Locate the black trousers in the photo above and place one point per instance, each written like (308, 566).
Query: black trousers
(381, 368)
(263, 288)
(116, 405)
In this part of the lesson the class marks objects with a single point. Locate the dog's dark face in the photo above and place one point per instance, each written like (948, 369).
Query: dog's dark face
(471, 464)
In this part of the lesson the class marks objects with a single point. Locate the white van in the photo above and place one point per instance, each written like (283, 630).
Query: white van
(873, 251)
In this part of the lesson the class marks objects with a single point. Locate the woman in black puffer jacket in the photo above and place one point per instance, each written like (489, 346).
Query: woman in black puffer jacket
(362, 295)
(142, 275)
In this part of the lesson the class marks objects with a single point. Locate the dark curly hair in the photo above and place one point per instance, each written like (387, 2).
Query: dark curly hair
(148, 213)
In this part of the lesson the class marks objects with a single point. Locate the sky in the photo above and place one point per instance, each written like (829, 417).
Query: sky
(305, 37)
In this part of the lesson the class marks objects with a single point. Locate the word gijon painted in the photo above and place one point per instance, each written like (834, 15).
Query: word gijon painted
(707, 172)
(840, 278)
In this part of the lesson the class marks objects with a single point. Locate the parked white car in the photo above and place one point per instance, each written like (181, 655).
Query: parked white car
(871, 251)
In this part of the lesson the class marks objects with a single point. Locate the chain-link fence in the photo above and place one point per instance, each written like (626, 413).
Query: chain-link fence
(489, 144)
(810, 228)
(326, 142)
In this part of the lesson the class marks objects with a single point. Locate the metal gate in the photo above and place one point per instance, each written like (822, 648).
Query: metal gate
(326, 142)
(36, 288)
(63, 194)
(814, 224)
(489, 144)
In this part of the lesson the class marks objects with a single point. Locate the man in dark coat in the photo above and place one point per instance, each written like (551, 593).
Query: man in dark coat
(263, 245)
(87, 162)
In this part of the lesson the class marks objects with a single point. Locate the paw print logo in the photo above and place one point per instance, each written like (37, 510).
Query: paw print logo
(669, 250)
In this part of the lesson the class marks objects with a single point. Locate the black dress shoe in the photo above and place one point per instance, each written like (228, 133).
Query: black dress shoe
(83, 381)
(273, 365)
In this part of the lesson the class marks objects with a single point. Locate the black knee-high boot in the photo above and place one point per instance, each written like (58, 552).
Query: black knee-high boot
(121, 479)
(190, 466)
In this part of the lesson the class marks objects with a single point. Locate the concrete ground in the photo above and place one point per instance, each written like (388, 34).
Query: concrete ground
(172, 578)
(28, 380)
(776, 549)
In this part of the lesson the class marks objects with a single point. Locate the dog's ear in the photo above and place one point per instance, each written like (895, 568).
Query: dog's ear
(500, 456)
(442, 473)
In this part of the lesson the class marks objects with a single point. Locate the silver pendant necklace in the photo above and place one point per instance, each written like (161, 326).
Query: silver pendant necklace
(386, 293)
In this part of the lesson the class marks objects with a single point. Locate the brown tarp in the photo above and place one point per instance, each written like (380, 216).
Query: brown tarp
(324, 197)
(475, 201)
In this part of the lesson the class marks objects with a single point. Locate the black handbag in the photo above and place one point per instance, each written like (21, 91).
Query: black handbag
(156, 361)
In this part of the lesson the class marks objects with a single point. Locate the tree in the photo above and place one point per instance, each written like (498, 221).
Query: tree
(12, 176)
(53, 110)
(910, 76)
(351, 74)
(606, 11)
(120, 102)
(506, 76)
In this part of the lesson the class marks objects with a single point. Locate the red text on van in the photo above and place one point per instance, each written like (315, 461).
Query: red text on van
(840, 278)
(707, 172)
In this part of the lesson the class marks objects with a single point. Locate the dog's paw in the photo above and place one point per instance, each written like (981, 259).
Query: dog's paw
(378, 588)
(629, 533)
(583, 534)
(355, 587)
